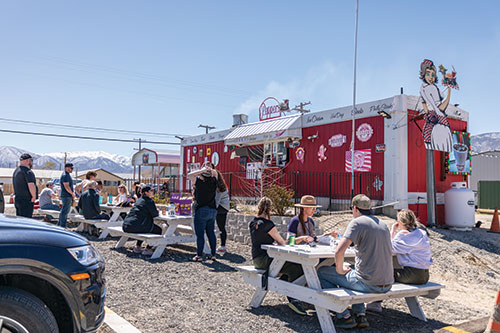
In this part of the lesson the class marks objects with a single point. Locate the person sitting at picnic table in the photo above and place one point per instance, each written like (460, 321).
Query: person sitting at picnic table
(46, 197)
(373, 271)
(302, 225)
(140, 219)
(122, 197)
(136, 190)
(91, 175)
(205, 185)
(45, 200)
(78, 190)
(413, 252)
(264, 232)
(88, 204)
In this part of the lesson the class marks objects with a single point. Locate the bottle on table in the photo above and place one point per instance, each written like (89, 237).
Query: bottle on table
(291, 239)
(110, 199)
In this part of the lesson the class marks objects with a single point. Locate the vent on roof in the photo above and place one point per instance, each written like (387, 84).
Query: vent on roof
(240, 119)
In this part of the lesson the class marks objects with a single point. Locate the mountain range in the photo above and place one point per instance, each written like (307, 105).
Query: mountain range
(9, 157)
(485, 142)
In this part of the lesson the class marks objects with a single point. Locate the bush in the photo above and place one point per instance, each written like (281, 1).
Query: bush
(159, 200)
(281, 198)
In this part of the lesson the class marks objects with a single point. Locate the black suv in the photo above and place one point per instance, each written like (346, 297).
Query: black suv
(51, 279)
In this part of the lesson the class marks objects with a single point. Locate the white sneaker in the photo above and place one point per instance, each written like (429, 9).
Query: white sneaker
(374, 307)
(137, 249)
(147, 252)
(221, 250)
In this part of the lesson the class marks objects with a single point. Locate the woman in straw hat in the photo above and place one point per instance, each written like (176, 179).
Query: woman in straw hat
(302, 225)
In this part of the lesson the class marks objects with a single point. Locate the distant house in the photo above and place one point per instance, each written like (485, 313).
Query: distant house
(485, 166)
(107, 178)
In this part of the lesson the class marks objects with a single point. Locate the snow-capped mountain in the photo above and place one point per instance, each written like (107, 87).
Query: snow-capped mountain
(9, 156)
(485, 142)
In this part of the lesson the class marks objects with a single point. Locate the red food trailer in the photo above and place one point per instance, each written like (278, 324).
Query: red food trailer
(310, 153)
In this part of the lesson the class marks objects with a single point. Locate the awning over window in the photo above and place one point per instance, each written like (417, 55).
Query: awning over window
(278, 129)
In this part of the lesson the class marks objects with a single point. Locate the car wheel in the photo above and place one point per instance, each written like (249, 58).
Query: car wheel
(21, 312)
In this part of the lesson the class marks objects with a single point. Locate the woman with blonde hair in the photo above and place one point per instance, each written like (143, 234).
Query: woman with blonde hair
(412, 249)
(122, 196)
(413, 252)
(264, 232)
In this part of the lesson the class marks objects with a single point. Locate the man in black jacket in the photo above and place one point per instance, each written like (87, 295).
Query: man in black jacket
(89, 204)
(24, 186)
(140, 219)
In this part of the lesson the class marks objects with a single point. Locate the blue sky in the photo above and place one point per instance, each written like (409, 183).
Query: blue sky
(168, 66)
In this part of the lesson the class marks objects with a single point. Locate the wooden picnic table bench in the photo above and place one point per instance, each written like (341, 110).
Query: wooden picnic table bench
(98, 223)
(175, 230)
(335, 299)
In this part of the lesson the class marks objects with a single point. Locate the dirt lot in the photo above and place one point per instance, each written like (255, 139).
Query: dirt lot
(172, 294)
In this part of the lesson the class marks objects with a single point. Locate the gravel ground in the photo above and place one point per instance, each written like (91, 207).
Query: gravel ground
(172, 294)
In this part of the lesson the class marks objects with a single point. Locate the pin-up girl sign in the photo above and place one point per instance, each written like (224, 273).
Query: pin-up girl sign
(436, 132)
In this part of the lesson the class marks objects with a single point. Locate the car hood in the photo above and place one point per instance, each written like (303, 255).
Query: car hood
(20, 230)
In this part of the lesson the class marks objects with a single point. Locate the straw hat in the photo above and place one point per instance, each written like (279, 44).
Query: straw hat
(307, 201)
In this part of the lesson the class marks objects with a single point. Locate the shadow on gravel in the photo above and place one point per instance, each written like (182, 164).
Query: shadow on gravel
(478, 238)
(218, 266)
(389, 321)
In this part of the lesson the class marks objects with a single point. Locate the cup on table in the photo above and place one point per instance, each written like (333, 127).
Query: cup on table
(163, 211)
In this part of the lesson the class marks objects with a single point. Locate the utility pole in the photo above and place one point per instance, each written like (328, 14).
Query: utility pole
(65, 157)
(300, 107)
(354, 97)
(206, 127)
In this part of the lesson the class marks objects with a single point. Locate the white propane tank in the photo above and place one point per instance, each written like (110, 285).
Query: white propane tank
(459, 207)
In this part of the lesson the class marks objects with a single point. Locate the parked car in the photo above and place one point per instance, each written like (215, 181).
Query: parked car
(51, 280)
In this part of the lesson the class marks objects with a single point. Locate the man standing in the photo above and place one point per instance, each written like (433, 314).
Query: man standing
(67, 194)
(373, 271)
(24, 186)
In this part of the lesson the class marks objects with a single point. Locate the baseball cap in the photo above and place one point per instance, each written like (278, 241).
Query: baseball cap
(68, 165)
(361, 201)
(25, 156)
(146, 189)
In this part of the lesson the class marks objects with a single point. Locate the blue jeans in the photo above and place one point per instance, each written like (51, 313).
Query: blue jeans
(50, 207)
(204, 221)
(66, 207)
(329, 278)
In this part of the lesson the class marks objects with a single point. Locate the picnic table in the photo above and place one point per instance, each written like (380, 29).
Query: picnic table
(115, 211)
(337, 299)
(176, 229)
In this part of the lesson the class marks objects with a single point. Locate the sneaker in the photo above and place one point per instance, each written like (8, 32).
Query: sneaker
(137, 249)
(147, 252)
(374, 307)
(221, 250)
(345, 322)
(296, 306)
(361, 321)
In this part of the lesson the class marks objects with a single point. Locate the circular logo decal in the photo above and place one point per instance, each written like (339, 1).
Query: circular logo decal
(364, 132)
(215, 158)
(194, 150)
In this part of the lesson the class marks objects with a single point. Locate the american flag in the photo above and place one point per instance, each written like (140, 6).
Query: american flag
(362, 160)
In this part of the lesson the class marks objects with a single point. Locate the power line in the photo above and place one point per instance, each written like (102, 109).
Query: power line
(24, 122)
(86, 137)
(89, 68)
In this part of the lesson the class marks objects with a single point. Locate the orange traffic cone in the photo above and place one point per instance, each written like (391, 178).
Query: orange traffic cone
(494, 323)
(495, 225)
